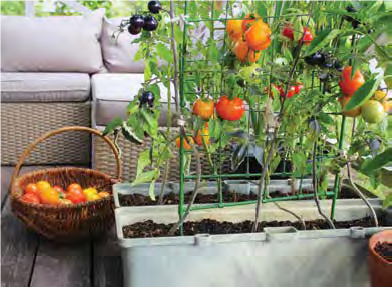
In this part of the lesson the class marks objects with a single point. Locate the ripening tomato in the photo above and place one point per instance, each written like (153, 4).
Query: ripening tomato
(30, 197)
(32, 188)
(351, 113)
(350, 86)
(49, 196)
(203, 109)
(230, 110)
(248, 21)
(258, 36)
(187, 143)
(75, 194)
(43, 185)
(308, 37)
(203, 134)
(253, 56)
(234, 29)
(288, 31)
(73, 186)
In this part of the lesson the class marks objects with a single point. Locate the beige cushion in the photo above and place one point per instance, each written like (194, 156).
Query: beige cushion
(52, 44)
(44, 87)
(118, 54)
(112, 93)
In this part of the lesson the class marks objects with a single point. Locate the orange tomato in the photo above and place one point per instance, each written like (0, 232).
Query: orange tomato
(240, 50)
(187, 146)
(351, 113)
(30, 197)
(75, 195)
(43, 185)
(103, 194)
(387, 106)
(350, 86)
(258, 36)
(204, 109)
(32, 188)
(49, 196)
(248, 21)
(234, 29)
(73, 186)
(203, 134)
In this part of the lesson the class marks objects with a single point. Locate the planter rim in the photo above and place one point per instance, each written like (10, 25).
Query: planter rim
(375, 239)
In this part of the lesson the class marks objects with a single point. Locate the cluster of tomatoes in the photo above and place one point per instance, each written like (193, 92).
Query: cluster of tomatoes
(293, 90)
(372, 111)
(288, 31)
(43, 193)
(249, 36)
(146, 22)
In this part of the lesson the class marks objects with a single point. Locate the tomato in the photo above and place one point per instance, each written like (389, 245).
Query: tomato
(204, 109)
(379, 95)
(248, 21)
(73, 186)
(308, 37)
(90, 190)
(43, 185)
(373, 112)
(288, 31)
(230, 110)
(187, 143)
(103, 194)
(58, 188)
(92, 196)
(30, 197)
(298, 88)
(32, 188)
(258, 36)
(351, 113)
(240, 50)
(49, 196)
(350, 86)
(387, 106)
(75, 195)
(203, 134)
(293, 90)
(234, 29)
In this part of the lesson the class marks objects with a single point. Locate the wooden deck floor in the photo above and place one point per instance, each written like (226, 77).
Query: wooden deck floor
(28, 260)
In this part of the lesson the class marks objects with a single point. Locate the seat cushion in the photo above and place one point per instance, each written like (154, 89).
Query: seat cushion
(112, 93)
(44, 87)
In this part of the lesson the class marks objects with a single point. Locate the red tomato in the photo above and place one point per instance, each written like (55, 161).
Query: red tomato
(75, 195)
(32, 188)
(59, 189)
(350, 86)
(308, 37)
(73, 186)
(298, 88)
(30, 197)
(230, 110)
(288, 31)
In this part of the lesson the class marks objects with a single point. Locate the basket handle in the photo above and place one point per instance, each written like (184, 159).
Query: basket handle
(30, 148)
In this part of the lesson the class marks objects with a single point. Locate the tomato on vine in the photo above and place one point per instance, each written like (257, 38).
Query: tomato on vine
(350, 86)
(234, 29)
(248, 21)
(351, 113)
(258, 36)
(187, 142)
(203, 134)
(230, 110)
(203, 108)
(307, 37)
(288, 31)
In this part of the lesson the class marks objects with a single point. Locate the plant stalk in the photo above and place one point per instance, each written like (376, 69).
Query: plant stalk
(175, 61)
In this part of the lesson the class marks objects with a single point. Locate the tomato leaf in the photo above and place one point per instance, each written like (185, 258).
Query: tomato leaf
(143, 161)
(115, 123)
(322, 40)
(144, 177)
(362, 94)
(377, 162)
(164, 52)
(129, 134)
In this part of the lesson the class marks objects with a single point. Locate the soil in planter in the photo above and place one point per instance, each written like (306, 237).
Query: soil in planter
(172, 198)
(384, 249)
(151, 229)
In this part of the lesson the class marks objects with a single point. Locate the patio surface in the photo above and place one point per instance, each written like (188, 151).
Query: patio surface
(28, 259)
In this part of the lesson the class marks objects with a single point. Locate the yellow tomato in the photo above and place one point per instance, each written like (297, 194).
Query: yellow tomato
(379, 95)
(43, 185)
(90, 190)
(92, 196)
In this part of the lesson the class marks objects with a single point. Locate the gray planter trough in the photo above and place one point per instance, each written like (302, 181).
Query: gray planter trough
(277, 257)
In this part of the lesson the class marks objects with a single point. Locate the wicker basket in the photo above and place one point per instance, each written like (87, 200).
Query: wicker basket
(65, 222)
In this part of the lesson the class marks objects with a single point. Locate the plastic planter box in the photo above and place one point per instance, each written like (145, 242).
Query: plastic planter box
(276, 257)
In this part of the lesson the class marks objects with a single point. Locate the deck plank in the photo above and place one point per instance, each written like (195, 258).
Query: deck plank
(107, 262)
(18, 248)
(62, 265)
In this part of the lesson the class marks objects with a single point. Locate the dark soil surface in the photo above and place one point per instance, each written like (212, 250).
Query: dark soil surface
(384, 249)
(151, 229)
(172, 198)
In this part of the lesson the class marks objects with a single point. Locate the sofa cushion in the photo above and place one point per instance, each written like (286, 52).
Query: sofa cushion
(44, 87)
(118, 53)
(112, 92)
(52, 44)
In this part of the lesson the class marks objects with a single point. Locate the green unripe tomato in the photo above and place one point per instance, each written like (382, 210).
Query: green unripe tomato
(373, 112)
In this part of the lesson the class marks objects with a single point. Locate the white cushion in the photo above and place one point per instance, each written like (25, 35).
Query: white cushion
(118, 54)
(52, 44)
(44, 87)
(112, 93)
